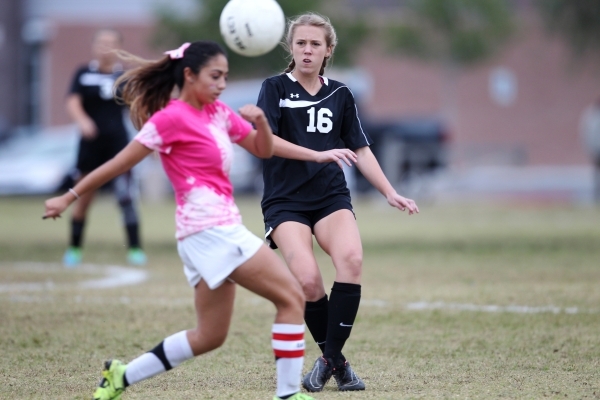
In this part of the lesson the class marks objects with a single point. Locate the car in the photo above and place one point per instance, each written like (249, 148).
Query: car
(36, 161)
(42, 161)
(408, 148)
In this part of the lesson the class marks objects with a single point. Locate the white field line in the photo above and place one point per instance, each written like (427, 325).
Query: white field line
(440, 305)
(99, 300)
(114, 276)
(491, 308)
(20, 297)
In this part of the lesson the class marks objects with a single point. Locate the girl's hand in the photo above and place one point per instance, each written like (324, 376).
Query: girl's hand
(55, 206)
(402, 203)
(251, 113)
(88, 129)
(338, 156)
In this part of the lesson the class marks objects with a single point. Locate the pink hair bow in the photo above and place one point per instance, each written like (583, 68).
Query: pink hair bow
(178, 53)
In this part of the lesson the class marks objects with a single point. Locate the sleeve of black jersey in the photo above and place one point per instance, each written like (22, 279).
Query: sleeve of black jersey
(76, 87)
(268, 101)
(352, 133)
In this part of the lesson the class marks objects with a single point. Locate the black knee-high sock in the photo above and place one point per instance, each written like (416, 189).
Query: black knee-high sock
(343, 307)
(315, 316)
(133, 235)
(77, 232)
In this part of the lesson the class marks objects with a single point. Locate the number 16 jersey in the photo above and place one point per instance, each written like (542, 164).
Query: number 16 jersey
(325, 121)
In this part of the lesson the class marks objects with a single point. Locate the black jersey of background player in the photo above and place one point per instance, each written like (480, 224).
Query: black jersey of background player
(96, 91)
(325, 121)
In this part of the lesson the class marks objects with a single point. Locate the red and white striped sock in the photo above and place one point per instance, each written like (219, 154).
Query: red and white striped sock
(288, 346)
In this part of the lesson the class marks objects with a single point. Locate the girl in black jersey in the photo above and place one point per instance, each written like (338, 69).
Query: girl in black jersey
(91, 105)
(317, 129)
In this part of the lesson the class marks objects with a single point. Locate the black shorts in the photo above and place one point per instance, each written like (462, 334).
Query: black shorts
(93, 153)
(306, 217)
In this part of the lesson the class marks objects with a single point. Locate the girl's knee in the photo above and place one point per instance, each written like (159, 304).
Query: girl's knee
(312, 288)
(204, 340)
(350, 264)
(355, 261)
(291, 301)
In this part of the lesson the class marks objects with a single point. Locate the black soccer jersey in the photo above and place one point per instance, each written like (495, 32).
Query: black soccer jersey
(96, 91)
(325, 121)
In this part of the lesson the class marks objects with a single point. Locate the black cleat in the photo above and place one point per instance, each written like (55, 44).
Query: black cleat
(346, 379)
(316, 378)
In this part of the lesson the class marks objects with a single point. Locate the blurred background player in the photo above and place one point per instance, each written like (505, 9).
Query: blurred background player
(92, 106)
(317, 130)
(589, 128)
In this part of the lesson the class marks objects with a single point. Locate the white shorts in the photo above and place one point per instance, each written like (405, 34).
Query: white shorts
(213, 254)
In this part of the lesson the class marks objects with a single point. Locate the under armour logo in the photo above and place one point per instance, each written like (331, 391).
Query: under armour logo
(294, 95)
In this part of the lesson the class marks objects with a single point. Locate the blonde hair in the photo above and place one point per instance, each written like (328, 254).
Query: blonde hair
(311, 19)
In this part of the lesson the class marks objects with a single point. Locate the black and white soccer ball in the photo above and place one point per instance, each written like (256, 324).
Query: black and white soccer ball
(252, 27)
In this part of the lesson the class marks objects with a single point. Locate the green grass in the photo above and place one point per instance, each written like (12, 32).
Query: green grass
(55, 339)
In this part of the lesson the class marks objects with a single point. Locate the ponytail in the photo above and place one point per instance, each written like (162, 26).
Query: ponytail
(290, 67)
(322, 70)
(149, 87)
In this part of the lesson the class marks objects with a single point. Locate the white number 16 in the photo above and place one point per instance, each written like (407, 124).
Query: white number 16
(324, 124)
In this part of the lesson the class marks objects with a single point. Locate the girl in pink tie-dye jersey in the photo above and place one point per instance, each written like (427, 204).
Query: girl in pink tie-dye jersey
(194, 134)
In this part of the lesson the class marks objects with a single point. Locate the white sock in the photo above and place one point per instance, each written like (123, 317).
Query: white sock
(145, 366)
(168, 354)
(288, 346)
(177, 348)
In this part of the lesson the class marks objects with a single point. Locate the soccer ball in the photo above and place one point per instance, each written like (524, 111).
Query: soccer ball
(252, 27)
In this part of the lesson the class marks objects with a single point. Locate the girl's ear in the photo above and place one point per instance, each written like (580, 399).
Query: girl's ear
(188, 74)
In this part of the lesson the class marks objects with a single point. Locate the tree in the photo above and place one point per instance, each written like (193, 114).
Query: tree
(174, 30)
(453, 33)
(577, 21)
(460, 32)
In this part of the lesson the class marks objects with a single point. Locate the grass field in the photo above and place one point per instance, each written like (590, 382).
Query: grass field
(461, 301)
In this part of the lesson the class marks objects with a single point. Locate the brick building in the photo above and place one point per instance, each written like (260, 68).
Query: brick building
(520, 108)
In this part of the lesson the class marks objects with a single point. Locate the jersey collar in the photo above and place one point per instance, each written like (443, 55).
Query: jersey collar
(324, 79)
(94, 66)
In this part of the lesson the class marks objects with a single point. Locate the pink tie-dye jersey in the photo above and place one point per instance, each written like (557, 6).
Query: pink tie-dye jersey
(196, 150)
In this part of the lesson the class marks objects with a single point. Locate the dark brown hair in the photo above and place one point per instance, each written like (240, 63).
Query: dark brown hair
(148, 88)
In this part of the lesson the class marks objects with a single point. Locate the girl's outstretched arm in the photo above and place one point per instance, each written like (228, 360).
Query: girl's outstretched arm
(260, 141)
(369, 167)
(132, 154)
(286, 149)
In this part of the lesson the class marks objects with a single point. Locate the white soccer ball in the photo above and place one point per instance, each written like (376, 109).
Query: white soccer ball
(252, 27)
